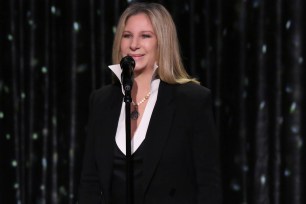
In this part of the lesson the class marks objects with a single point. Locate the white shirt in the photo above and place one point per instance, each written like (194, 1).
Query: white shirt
(141, 131)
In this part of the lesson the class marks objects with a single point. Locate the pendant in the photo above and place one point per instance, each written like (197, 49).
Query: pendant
(134, 114)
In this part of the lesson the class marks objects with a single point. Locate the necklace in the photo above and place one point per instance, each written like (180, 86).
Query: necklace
(135, 113)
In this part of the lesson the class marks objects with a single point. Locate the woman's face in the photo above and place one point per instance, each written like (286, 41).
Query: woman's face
(139, 41)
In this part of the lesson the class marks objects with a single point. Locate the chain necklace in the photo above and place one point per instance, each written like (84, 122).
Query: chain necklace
(135, 113)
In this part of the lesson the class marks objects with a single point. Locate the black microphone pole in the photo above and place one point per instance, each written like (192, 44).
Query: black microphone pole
(127, 65)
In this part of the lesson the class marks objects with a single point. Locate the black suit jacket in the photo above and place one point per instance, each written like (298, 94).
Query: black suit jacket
(181, 156)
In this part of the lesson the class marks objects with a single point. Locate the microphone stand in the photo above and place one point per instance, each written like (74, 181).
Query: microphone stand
(129, 168)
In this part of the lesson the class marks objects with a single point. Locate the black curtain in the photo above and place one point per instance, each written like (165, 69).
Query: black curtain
(250, 53)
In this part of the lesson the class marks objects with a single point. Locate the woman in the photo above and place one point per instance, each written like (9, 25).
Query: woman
(174, 144)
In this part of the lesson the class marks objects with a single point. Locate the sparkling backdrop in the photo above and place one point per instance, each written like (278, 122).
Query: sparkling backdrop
(250, 53)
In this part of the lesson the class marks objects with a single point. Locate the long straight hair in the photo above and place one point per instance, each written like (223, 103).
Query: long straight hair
(170, 66)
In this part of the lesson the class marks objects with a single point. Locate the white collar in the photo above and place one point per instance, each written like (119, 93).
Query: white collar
(141, 131)
(116, 69)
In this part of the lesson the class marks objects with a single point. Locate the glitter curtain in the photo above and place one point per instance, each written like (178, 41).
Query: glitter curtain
(250, 53)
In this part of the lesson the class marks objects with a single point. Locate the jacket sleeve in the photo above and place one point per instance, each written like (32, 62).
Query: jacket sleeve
(89, 190)
(206, 152)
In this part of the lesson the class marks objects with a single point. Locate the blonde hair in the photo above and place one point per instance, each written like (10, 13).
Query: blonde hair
(170, 66)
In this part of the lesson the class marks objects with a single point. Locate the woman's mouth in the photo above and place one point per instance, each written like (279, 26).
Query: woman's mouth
(136, 56)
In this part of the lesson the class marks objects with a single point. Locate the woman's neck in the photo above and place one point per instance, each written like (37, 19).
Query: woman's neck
(141, 85)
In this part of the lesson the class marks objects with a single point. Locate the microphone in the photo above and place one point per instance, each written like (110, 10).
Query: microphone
(127, 65)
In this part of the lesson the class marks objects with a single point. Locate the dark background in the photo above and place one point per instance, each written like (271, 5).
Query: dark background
(250, 53)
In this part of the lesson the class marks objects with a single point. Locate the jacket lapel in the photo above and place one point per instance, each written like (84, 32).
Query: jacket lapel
(107, 127)
(158, 131)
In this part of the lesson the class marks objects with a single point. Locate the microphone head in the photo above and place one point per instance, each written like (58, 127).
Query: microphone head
(127, 62)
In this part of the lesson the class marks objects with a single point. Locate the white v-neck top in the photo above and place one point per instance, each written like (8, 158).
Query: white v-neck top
(141, 131)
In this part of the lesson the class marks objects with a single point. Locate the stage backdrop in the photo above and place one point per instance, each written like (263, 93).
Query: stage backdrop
(250, 53)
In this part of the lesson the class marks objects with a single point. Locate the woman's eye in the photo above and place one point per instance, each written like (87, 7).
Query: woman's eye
(127, 35)
(146, 36)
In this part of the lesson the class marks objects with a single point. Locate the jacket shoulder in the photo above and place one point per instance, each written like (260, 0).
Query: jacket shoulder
(105, 93)
(193, 91)
(107, 88)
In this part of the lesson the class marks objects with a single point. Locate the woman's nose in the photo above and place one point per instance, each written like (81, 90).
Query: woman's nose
(134, 44)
